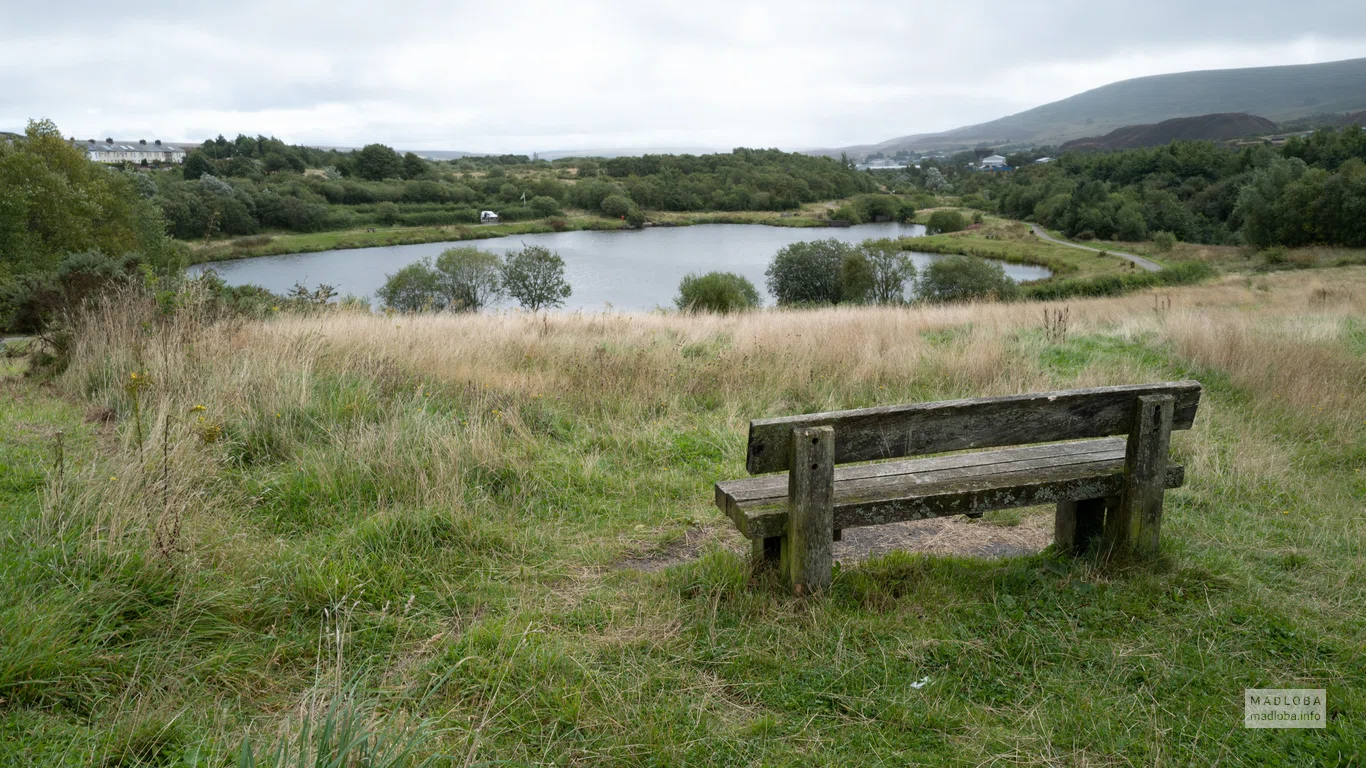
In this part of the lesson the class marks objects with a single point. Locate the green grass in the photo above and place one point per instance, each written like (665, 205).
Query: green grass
(282, 243)
(286, 243)
(1011, 241)
(446, 544)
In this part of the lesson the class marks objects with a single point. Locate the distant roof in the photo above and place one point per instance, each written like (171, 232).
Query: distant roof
(1044, 160)
(994, 160)
(125, 146)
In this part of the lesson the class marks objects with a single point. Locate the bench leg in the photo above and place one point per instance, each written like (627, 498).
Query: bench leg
(1136, 520)
(766, 552)
(1076, 523)
(807, 548)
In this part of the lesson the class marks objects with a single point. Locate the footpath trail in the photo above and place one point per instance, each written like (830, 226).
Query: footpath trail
(1142, 263)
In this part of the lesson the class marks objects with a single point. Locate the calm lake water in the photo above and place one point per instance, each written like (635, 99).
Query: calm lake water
(633, 270)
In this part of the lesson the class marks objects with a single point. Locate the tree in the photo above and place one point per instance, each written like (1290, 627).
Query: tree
(196, 164)
(945, 221)
(890, 270)
(469, 279)
(965, 278)
(413, 166)
(808, 273)
(716, 292)
(935, 181)
(55, 202)
(534, 276)
(377, 162)
(413, 288)
(275, 162)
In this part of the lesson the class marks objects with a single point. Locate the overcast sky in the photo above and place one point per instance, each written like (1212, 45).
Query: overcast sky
(536, 76)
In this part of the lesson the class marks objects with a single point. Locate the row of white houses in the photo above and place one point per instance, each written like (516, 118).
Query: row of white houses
(129, 152)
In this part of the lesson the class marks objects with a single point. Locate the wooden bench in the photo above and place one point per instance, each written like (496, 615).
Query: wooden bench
(1103, 485)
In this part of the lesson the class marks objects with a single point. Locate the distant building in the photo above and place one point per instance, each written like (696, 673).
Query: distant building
(1044, 160)
(994, 163)
(880, 165)
(115, 152)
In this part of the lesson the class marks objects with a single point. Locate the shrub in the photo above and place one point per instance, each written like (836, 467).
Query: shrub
(534, 276)
(616, 206)
(545, 206)
(387, 214)
(1164, 241)
(469, 279)
(716, 292)
(413, 288)
(848, 212)
(945, 221)
(856, 277)
(808, 273)
(1184, 273)
(32, 302)
(964, 278)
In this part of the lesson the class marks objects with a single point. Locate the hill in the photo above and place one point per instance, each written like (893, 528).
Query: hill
(1219, 127)
(1278, 93)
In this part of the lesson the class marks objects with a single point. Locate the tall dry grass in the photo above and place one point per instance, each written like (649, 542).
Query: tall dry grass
(309, 388)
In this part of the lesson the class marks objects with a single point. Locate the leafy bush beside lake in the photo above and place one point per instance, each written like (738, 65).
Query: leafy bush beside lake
(965, 278)
(466, 279)
(721, 292)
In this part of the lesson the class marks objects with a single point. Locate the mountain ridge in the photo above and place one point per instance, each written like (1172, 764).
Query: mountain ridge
(1278, 93)
(1221, 126)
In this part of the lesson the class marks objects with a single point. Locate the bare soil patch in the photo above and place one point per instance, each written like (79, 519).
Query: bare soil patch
(940, 536)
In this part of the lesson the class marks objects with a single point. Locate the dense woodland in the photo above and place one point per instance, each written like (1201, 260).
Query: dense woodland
(248, 185)
(1311, 190)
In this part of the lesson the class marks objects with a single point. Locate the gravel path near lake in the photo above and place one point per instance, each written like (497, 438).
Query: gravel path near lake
(1142, 263)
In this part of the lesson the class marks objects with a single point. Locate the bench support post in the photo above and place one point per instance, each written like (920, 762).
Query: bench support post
(1076, 523)
(807, 546)
(1135, 522)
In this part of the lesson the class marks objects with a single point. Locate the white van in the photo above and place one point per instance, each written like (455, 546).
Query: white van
(488, 217)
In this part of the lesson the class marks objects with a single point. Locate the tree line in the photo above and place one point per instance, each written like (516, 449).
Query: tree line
(1311, 190)
(250, 185)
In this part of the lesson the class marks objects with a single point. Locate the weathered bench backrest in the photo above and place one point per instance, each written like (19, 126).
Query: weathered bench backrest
(892, 432)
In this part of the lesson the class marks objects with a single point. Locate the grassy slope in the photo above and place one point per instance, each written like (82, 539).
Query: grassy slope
(440, 510)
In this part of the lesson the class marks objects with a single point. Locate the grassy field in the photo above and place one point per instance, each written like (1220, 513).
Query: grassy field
(1240, 259)
(1011, 241)
(492, 537)
(280, 244)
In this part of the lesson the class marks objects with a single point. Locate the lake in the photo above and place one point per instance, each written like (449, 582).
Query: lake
(629, 270)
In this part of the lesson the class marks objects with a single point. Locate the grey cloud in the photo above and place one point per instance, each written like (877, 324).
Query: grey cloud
(613, 72)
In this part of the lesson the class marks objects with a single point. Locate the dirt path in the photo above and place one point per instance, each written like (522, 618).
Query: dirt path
(1142, 263)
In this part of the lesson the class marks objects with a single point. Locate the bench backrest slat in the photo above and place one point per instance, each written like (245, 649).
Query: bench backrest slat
(892, 432)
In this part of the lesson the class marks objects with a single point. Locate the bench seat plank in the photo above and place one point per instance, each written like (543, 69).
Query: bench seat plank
(896, 431)
(968, 483)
